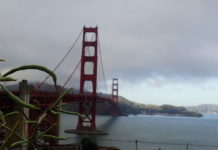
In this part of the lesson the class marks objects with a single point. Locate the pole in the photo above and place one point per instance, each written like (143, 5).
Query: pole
(186, 146)
(136, 144)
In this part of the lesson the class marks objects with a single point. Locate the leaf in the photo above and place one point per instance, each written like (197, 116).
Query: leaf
(41, 118)
(54, 112)
(11, 113)
(3, 79)
(53, 137)
(60, 98)
(17, 99)
(18, 143)
(10, 130)
(70, 113)
(32, 122)
(16, 125)
(44, 132)
(36, 67)
(2, 119)
(60, 105)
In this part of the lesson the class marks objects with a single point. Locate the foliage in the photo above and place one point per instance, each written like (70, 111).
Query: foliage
(54, 108)
(171, 109)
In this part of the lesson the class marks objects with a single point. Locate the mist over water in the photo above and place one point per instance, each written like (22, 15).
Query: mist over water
(123, 131)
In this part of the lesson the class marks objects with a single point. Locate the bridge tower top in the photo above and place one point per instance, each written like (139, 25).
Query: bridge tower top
(86, 57)
(115, 90)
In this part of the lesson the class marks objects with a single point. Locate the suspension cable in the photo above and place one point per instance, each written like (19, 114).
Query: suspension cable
(71, 75)
(70, 49)
(101, 60)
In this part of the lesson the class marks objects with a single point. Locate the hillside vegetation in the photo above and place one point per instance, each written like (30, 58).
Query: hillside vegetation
(128, 107)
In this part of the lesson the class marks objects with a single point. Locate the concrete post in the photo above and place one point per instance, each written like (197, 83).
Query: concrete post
(24, 95)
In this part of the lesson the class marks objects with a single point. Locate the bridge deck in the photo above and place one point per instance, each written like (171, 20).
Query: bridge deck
(47, 97)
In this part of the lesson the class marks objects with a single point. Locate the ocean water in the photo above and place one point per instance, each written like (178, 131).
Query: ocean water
(151, 132)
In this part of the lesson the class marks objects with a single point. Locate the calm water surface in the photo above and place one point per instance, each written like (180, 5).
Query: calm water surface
(161, 129)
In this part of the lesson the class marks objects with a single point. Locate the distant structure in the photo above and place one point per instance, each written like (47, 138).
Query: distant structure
(115, 90)
(115, 109)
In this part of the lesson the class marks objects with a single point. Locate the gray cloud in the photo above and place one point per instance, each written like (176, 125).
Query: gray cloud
(139, 39)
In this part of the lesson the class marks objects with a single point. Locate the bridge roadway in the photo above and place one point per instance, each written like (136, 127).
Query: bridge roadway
(45, 98)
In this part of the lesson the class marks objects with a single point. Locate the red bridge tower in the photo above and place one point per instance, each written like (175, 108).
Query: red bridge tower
(115, 90)
(88, 106)
(115, 108)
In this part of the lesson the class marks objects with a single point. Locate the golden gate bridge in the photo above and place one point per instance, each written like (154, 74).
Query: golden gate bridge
(86, 72)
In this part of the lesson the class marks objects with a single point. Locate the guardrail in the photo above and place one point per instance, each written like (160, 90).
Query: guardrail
(137, 145)
(145, 145)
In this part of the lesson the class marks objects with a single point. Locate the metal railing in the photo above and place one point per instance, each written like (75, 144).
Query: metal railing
(145, 145)
(140, 145)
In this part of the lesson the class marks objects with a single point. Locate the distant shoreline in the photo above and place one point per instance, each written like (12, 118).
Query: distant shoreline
(173, 115)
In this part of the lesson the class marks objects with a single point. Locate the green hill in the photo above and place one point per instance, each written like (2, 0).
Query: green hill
(128, 107)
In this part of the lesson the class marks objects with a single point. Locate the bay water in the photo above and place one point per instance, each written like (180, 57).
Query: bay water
(151, 132)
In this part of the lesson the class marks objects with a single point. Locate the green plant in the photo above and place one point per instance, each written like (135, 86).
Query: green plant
(54, 108)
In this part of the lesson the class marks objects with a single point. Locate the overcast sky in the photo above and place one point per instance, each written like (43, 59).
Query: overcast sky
(162, 51)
